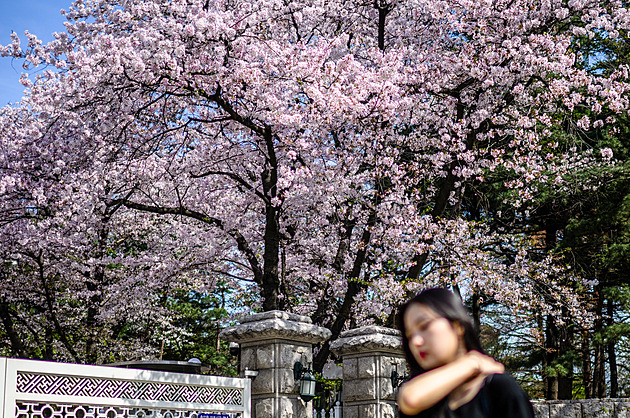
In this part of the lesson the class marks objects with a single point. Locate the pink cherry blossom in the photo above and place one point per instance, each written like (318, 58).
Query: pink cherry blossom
(312, 153)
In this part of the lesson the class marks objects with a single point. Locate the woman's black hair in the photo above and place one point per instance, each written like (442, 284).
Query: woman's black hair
(446, 305)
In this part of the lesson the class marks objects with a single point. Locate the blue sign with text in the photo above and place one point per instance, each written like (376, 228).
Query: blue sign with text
(213, 416)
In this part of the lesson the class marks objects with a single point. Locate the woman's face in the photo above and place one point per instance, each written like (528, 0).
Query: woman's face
(433, 340)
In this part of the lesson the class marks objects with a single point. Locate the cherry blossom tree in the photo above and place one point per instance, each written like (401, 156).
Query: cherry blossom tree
(78, 278)
(316, 152)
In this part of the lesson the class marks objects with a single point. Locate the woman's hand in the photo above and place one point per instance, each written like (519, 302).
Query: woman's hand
(485, 365)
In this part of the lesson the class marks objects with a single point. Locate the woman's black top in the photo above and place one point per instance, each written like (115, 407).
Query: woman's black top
(499, 397)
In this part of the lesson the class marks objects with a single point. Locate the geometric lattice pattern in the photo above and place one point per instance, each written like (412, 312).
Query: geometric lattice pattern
(45, 410)
(53, 384)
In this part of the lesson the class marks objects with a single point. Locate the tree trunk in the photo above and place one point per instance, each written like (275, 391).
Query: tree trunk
(354, 287)
(612, 357)
(545, 365)
(91, 356)
(17, 346)
(558, 345)
(48, 353)
(599, 373)
(383, 11)
(565, 381)
(551, 356)
(476, 312)
(271, 255)
(599, 377)
(587, 372)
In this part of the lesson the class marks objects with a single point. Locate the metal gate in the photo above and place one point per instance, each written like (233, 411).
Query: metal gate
(327, 403)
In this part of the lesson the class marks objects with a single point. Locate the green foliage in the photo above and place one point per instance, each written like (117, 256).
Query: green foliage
(327, 392)
(563, 365)
(201, 315)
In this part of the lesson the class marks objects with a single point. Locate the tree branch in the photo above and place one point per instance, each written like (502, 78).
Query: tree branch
(241, 242)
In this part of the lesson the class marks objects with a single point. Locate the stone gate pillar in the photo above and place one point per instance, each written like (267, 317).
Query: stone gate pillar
(369, 355)
(270, 343)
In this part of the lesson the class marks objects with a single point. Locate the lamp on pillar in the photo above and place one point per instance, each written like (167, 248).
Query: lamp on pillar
(307, 381)
(397, 379)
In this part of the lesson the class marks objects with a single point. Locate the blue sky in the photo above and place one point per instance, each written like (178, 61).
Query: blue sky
(40, 17)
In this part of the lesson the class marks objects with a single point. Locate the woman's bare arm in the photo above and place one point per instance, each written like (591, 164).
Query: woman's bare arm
(427, 389)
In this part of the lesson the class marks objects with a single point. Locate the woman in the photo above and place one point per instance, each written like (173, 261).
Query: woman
(450, 375)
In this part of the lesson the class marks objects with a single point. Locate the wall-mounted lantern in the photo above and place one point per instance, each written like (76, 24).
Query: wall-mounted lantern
(307, 381)
(397, 379)
(235, 349)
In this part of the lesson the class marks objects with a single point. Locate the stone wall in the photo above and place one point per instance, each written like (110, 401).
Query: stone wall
(583, 408)
(369, 355)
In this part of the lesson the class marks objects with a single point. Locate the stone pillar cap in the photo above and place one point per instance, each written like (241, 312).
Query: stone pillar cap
(275, 324)
(275, 314)
(368, 339)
